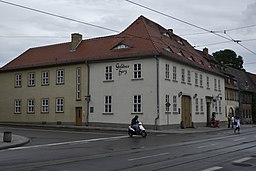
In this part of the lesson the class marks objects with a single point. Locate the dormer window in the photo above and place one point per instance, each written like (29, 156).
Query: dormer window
(121, 46)
(168, 49)
(180, 53)
(180, 42)
(191, 58)
(201, 62)
(166, 35)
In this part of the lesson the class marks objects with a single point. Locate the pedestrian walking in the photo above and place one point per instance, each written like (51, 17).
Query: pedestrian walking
(232, 121)
(237, 125)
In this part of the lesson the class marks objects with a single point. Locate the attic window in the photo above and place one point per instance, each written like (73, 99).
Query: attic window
(180, 42)
(166, 35)
(121, 46)
(180, 53)
(191, 58)
(168, 49)
(201, 62)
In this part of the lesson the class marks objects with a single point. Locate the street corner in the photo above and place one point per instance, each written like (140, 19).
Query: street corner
(13, 141)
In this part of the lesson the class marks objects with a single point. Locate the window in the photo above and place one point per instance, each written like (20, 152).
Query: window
(59, 105)
(174, 73)
(196, 79)
(78, 83)
(137, 104)
(31, 106)
(207, 82)
(44, 105)
(175, 106)
(17, 106)
(197, 105)
(107, 104)
(18, 80)
(137, 71)
(201, 80)
(202, 106)
(45, 78)
(60, 77)
(121, 46)
(189, 77)
(215, 84)
(183, 75)
(220, 107)
(108, 73)
(219, 85)
(31, 79)
(167, 71)
(167, 103)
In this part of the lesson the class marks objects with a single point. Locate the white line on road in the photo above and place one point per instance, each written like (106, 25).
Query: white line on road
(242, 160)
(145, 157)
(239, 139)
(213, 168)
(69, 142)
(203, 146)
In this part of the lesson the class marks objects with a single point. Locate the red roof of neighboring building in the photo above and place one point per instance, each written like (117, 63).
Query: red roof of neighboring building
(143, 38)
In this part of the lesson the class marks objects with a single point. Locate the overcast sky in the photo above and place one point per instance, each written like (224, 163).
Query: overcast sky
(21, 29)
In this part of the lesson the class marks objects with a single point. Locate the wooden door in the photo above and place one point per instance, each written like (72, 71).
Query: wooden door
(186, 112)
(78, 116)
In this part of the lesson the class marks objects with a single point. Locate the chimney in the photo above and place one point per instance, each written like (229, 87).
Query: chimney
(205, 51)
(76, 39)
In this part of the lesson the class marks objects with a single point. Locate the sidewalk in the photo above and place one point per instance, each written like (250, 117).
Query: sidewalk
(21, 140)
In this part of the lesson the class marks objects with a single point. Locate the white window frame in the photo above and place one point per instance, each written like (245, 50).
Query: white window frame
(18, 80)
(137, 71)
(201, 80)
(108, 73)
(174, 104)
(31, 106)
(189, 76)
(167, 101)
(202, 106)
(60, 76)
(137, 104)
(45, 78)
(107, 104)
(183, 75)
(197, 105)
(44, 105)
(196, 79)
(31, 79)
(17, 106)
(167, 71)
(174, 73)
(78, 83)
(208, 82)
(215, 84)
(59, 103)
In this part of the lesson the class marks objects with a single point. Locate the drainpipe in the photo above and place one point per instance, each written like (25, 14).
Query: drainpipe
(88, 97)
(157, 90)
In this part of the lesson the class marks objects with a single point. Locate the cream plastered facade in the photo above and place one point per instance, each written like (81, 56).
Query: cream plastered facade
(155, 89)
(52, 91)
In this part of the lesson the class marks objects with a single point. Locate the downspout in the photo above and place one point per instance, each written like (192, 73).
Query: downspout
(157, 91)
(88, 97)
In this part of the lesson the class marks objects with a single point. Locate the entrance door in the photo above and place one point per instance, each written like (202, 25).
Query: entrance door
(78, 116)
(186, 112)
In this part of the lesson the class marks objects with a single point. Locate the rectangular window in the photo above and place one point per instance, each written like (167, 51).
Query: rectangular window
(60, 77)
(108, 104)
(59, 105)
(137, 104)
(137, 71)
(174, 102)
(201, 80)
(202, 106)
(45, 78)
(183, 75)
(17, 106)
(18, 80)
(31, 106)
(31, 79)
(78, 83)
(196, 79)
(207, 82)
(189, 77)
(197, 105)
(167, 71)
(44, 105)
(219, 85)
(215, 84)
(108, 73)
(174, 73)
(220, 107)
(167, 103)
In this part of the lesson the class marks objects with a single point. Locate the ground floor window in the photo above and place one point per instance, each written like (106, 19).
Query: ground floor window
(107, 104)
(137, 104)
(31, 106)
(17, 106)
(59, 105)
(45, 105)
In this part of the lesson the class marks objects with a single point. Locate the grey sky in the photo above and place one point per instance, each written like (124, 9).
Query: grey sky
(21, 29)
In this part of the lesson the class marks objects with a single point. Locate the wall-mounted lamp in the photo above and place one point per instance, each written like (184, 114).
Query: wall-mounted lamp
(180, 93)
(87, 98)
(195, 95)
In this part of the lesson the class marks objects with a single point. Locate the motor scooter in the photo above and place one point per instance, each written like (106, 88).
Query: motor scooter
(141, 131)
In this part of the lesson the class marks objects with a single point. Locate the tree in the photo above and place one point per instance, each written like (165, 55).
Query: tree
(229, 57)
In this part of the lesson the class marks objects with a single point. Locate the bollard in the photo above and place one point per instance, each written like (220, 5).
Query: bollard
(7, 136)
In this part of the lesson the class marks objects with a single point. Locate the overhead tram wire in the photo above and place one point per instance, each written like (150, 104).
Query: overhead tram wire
(193, 25)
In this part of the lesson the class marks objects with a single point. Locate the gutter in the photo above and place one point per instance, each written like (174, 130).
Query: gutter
(88, 97)
(157, 91)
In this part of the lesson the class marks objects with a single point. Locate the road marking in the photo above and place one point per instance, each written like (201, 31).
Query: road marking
(213, 168)
(242, 160)
(239, 139)
(161, 135)
(69, 142)
(203, 146)
(151, 156)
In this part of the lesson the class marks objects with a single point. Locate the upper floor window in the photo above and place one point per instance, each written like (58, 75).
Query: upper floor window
(215, 84)
(174, 73)
(18, 80)
(44, 105)
(108, 73)
(201, 80)
(207, 82)
(167, 71)
(196, 79)
(31, 106)
(189, 76)
(78, 83)
(60, 76)
(45, 78)
(17, 106)
(137, 104)
(183, 75)
(137, 71)
(219, 85)
(31, 79)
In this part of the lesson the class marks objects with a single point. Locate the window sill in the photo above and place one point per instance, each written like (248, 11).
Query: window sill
(107, 81)
(107, 113)
(137, 79)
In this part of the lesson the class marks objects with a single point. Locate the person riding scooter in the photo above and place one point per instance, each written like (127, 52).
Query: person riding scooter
(135, 123)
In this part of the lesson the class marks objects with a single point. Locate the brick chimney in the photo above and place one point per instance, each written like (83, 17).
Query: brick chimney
(205, 51)
(76, 39)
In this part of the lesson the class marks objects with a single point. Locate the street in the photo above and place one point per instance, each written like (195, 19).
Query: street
(59, 150)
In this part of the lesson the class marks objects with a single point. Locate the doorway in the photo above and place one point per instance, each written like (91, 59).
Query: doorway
(79, 116)
(186, 112)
